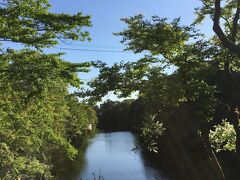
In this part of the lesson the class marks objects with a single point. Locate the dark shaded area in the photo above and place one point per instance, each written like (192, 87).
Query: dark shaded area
(193, 165)
(115, 116)
(64, 168)
(182, 152)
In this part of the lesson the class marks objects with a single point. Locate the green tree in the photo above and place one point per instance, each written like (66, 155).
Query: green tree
(81, 116)
(191, 95)
(34, 107)
(225, 16)
(29, 22)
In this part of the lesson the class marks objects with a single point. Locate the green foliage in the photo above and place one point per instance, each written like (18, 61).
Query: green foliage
(29, 22)
(154, 35)
(80, 118)
(116, 116)
(202, 90)
(151, 132)
(35, 108)
(194, 88)
(223, 137)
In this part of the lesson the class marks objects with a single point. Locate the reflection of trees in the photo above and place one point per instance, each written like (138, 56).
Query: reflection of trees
(67, 169)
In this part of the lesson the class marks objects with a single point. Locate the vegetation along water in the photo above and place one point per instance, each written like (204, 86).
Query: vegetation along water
(186, 121)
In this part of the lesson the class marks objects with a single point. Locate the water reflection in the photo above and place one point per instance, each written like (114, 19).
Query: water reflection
(111, 155)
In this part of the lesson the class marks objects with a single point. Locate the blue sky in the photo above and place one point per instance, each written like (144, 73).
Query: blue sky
(105, 17)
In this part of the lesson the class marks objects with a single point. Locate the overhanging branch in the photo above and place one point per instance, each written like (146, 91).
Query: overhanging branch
(219, 32)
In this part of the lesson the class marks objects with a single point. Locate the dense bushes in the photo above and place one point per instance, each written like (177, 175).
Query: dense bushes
(38, 116)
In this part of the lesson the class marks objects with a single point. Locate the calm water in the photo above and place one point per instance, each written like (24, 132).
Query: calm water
(111, 155)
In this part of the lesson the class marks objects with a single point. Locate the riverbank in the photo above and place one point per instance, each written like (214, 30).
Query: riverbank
(65, 168)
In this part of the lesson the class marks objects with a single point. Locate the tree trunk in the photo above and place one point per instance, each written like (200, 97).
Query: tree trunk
(235, 121)
(234, 117)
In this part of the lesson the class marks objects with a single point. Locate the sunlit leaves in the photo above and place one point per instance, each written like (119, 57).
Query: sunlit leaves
(151, 132)
(34, 109)
(223, 137)
(29, 22)
(79, 118)
(157, 36)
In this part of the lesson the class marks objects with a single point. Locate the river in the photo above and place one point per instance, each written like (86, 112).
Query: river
(111, 156)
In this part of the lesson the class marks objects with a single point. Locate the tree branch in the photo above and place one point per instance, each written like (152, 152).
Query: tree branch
(212, 8)
(219, 32)
(235, 22)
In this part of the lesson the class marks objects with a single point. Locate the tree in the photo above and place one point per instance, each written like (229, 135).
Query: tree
(30, 23)
(79, 118)
(34, 107)
(228, 36)
(190, 101)
(229, 13)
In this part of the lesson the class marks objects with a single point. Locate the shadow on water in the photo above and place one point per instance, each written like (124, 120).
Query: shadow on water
(108, 156)
(66, 169)
(115, 153)
(194, 165)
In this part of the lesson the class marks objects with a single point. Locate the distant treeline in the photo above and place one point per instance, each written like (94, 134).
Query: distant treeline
(119, 116)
